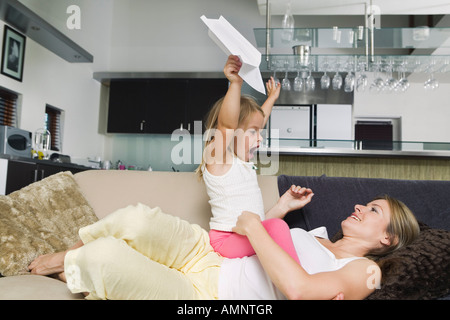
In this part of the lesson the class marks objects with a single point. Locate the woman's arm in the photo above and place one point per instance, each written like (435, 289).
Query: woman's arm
(292, 280)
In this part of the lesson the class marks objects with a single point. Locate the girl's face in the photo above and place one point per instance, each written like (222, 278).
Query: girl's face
(248, 137)
(369, 223)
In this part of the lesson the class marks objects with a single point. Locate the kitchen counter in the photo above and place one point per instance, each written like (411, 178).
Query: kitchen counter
(346, 162)
(18, 172)
(343, 152)
(352, 148)
(45, 162)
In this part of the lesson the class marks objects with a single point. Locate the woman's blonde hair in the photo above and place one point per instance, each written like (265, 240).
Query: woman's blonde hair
(248, 107)
(402, 229)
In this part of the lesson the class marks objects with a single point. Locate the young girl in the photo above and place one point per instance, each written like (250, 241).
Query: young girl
(233, 129)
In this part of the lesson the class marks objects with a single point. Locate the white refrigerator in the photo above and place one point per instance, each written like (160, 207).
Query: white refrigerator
(321, 121)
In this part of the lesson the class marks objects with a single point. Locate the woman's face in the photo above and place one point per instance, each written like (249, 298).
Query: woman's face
(369, 223)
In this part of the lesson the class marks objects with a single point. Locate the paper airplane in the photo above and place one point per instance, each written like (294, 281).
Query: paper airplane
(232, 42)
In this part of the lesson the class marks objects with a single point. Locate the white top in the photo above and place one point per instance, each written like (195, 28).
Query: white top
(246, 279)
(231, 193)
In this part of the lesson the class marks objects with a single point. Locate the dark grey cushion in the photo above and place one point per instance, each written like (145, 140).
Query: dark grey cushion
(334, 199)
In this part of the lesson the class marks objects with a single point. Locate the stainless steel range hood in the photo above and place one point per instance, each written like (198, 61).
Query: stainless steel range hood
(33, 26)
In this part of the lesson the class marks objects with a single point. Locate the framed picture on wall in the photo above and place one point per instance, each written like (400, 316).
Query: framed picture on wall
(13, 56)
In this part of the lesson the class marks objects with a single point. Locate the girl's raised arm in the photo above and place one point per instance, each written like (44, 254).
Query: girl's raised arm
(231, 106)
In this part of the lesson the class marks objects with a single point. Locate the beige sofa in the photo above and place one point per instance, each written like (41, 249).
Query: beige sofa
(176, 193)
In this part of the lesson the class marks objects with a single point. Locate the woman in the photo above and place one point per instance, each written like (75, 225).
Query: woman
(142, 253)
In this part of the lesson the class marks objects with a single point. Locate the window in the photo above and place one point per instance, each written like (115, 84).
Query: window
(53, 124)
(8, 108)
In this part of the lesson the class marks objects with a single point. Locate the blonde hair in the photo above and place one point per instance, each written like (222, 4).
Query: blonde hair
(402, 229)
(248, 107)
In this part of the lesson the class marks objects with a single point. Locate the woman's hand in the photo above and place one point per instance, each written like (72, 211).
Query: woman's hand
(231, 69)
(48, 264)
(245, 222)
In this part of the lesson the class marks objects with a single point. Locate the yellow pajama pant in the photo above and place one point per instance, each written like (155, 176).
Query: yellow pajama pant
(142, 253)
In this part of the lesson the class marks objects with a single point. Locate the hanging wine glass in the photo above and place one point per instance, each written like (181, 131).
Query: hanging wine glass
(378, 82)
(349, 82)
(286, 83)
(298, 82)
(325, 79)
(403, 83)
(310, 83)
(391, 83)
(274, 66)
(377, 85)
(361, 81)
(431, 84)
(336, 83)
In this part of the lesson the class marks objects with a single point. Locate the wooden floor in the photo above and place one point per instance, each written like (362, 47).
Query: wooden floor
(335, 166)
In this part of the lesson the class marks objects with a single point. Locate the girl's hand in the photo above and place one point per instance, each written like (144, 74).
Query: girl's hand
(273, 89)
(295, 198)
(245, 222)
(231, 69)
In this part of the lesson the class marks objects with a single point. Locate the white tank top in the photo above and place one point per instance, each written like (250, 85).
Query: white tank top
(231, 193)
(246, 279)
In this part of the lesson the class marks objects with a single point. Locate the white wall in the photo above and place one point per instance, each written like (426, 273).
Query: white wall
(48, 79)
(169, 35)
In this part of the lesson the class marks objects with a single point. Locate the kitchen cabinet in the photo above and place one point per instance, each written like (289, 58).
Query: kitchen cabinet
(202, 94)
(22, 173)
(161, 105)
(127, 100)
(166, 105)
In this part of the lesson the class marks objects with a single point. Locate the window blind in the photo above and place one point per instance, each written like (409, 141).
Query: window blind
(53, 124)
(8, 108)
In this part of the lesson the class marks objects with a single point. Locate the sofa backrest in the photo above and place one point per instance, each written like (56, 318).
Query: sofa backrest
(178, 193)
(334, 199)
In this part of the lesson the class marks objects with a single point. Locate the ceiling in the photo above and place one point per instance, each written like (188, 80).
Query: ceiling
(33, 26)
(356, 7)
